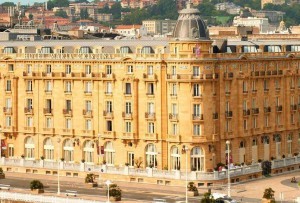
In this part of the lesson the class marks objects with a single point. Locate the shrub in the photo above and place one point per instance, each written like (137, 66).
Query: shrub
(36, 184)
(192, 187)
(269, 193)
(283, 156)
(22, 156)
(272, 158)
(296, 154)
(114, 191)
(82, 160)
(166, 168)
(259, 160)
(208, 198)
(1, 171)
(62, 159)
(42, 157)
(89, 178)
(126, 164)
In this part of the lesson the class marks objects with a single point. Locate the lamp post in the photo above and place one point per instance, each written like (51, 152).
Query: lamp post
(58, 184)
(228, 166)
(185, 149)
(108, 182)
(0, 142)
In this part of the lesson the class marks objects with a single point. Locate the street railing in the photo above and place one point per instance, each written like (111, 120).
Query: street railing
(13, 196)
(148, 172)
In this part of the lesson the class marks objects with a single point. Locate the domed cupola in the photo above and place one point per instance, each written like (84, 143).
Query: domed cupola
(190, 26)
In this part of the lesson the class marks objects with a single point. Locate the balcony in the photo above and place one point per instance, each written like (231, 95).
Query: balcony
(215, 116)
(87, 113)
(108, 114)
(28, 110)
(267, 109)
(29, 129)
(245, 92)
(198, 139)
(48, 130)
(68, 92)
(126, 115)
(246, 112)
(67, 112)
(68, 131)
(150, 136)
(150, 94)
(174, 138)
(7, 110)
(88, 132)
(266, 90)
(279, 108)
(88, 92)
(277, 89)
(128, 136)
(9, 128)
(254, 91)
(150, 116)
(228, 75)
(108, 93)
(294, 107)
(173, 117)
(108, 77)
(255, 73)
(197, 117)
(48, 91)
(48, 111)
(150, 77)
(191, 77)
(255, 111)
(108, 135)
(228, 114)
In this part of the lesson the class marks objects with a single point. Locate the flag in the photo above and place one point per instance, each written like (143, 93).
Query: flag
(197, 51)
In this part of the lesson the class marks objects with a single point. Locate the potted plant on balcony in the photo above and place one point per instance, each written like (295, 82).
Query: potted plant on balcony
(22, 156)
(90, 180)
(42, 157)
(192, 190)
(268, 196)
(2, 175)
(115, 193)
(36, 187)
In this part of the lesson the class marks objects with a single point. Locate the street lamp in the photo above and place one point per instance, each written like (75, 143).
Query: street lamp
(58, 184)
(185, 149)
(108, 182)
(228, 166)
(0, 142)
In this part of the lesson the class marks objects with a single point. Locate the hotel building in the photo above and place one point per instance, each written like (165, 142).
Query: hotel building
(143, 101)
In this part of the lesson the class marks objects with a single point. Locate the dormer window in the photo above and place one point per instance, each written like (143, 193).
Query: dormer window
(124, 50)
(84, 50)
(46, 50)
(8, 50)
(147, 50)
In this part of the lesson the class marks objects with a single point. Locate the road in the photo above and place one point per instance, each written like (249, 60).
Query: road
(128, 193)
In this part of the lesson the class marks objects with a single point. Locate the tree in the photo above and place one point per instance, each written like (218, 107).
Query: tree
(61, 13)
(30, 16)
(269, 193)
(84, 14)
(116, 10)
(7, 4)
(57, 3)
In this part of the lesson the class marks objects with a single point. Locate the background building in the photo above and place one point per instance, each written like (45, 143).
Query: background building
(276, 2)
(159, 27)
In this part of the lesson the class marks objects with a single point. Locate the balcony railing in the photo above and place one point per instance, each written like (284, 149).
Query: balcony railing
(279, 108)
(228, 75)
(87, 113)
(255, 111)
(267, 109)
(48, 111)
(28, 110)
(67, 112)
(127, 115)
(294, 107)
(108, 114)
(246, 112)
(149, 115)
(173, 116)
(197, 117)
(228, 114)
(7, 110)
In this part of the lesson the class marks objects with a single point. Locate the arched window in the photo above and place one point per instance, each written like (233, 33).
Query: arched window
(88, 151)
(48, 149)
(29, 148)
(289, 144)
(266, 140)
(175, 158)
(68, 150)
(109, 153)
(197, 159)
(254, 142)
(242, 144)
(151, 156)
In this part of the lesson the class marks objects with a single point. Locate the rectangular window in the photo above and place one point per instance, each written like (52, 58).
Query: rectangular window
(278, 119)
(8, 86)
(266, 121)
(8, 103)
(108, 69)
(266, 85)
(150, 70)
(128, 108)
(29, 68)
(68, 123)
(108, 88)
(29, 85)
(150, 108)
(8, 50)
(46, 50)
(150, 88)
(88, 105)
(68, 69)
(196, 71)
(10, 67)
(245, 125)
(48, 87)
(131, 158)
(29, 104)
(196, 109)
(174, 129)
(88, 87)
(151, 128)
(88, 124)
(29, 121)
(197, 129)
(253, 85)
(11, 150)
(48, 122)
(68, 86)
(128, 126)
(174, 109)
(245, 88)
(68, 105)
(48, 69)
(173, 70)
(8, 121)
(292, 118)
(130, 69)
(197, 90)
(84, 50)
(109, 107)
(127, 88)
(254, 122)
(109, 126)
(88, 69)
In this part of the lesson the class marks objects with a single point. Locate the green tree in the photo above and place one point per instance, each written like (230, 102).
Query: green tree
(30, 16)
(84, 14)
(61, 13)
(7, 4)
(57, 3)
(116, 10)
